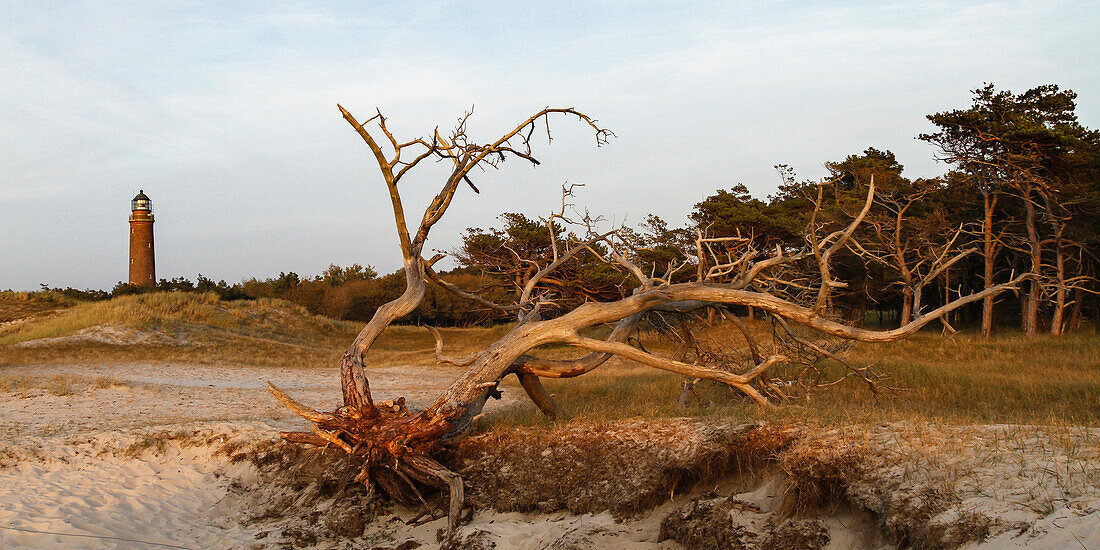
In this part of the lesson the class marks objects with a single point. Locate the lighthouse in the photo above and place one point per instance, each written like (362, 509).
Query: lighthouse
(142, 270)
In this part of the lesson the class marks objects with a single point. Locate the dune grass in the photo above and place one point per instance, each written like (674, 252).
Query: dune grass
(262, 318)
(16, 305)
(200, 328)
(178, 326)
(961, 379)
(60, 385)
(104, 382)
(15, 384)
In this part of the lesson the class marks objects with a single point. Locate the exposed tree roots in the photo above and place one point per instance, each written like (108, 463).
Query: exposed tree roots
(394, 444)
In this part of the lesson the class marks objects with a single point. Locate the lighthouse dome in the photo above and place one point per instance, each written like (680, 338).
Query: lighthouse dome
(141, 202)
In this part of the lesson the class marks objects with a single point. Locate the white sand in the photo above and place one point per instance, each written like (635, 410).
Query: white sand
(84, 487)
(61, 471)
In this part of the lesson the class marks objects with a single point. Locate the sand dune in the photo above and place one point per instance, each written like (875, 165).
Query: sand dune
(175, 499)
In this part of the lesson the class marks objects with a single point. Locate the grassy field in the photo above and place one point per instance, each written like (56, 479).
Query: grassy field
(962, 379)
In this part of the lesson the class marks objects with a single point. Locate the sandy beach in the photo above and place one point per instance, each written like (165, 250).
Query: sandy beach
(77, 463)
(153, 459)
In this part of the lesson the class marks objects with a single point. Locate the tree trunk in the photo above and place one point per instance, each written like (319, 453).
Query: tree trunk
(1075, 313)
(946, 321)
(907, 295)
(1056, 319)
(988, 256)
(1035, 251)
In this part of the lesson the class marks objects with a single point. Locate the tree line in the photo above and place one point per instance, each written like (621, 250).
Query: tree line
(351, 293)
(1021, 196)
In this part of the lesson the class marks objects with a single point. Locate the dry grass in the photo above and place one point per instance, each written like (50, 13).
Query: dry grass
(20, 305)
(15, 384)
(156, 442)
(105, 382)
(61, 384)
(184, 327)
(173, 311)
(819, 470)
(411, 345)
(960, 380)
(1047, 464)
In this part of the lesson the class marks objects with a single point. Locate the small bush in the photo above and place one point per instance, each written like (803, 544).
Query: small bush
(15, 384)
(104, 382)
(61, 385)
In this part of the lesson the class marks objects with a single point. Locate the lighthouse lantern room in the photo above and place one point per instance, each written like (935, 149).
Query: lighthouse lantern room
(142, 265)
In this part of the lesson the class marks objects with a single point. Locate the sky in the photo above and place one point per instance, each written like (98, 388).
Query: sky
(224, 113)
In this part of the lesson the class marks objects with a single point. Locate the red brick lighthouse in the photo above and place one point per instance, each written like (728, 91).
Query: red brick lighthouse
(142, 271)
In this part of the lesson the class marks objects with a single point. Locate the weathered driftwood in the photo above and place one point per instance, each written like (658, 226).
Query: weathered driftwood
(396, 444)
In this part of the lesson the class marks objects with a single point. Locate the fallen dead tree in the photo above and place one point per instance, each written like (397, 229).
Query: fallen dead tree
(793, 287)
